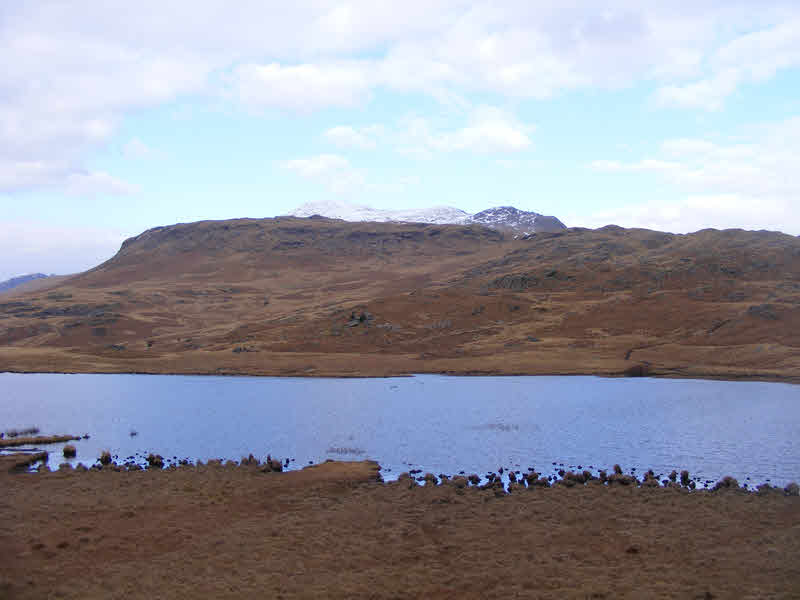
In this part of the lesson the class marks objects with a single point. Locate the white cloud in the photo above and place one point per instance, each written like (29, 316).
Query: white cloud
(488, 130)
(136, 148)
(750, 58)
(513, 163)
(762, 53)
(315, 167)
(707, 94)
(97, 183)
(302, 87)
(341, 177)
(331, 170)
(687, 146)
(43, 174)
(647, 164)
(72, 73)
(31, 247)
(750, 184)
(694, 212)
(364, 138)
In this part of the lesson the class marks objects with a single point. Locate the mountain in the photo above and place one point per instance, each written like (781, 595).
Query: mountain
(504, 217)
(10, 284)
(519, 221)
(316, 296)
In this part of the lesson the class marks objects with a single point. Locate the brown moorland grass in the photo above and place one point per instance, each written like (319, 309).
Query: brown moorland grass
(314, 297)
(20, 460)
(333, 531)
(37, 440)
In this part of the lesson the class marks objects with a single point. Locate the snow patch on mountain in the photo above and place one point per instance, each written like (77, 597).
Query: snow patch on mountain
(358, 212)
(502, 217)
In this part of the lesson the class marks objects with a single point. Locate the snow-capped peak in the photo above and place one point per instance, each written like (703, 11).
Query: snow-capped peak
(357, 212)
(502, 217)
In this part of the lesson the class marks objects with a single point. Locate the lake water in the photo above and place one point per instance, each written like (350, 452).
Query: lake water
(433, 423)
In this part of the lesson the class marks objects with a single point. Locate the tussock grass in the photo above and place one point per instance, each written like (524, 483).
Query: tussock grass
(21, 460)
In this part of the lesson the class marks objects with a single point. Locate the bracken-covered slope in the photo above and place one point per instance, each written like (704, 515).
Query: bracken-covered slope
(321, 297)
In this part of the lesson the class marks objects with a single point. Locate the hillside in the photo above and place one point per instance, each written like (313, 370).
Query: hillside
(315, 296)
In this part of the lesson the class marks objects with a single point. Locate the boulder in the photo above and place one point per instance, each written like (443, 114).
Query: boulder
(685, 478)
(272, 465)
(250, 461)
(726, 483)
(407, 480)
(459, 482)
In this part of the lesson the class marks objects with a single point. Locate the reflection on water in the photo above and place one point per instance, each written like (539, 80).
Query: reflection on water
(432, 423)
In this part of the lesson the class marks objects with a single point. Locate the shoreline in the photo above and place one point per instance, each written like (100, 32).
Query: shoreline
(24, 460)
(698, 376)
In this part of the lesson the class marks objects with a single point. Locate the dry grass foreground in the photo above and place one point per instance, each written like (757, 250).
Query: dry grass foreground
(315, 297)
(333, 531)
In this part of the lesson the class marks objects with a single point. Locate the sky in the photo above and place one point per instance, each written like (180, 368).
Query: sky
(118, 117)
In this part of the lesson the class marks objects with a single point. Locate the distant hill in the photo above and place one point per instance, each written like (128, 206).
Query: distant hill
(10, 284)
(318, 296)
(506, 218)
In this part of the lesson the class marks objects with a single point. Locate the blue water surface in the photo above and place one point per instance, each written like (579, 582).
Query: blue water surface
(434, 423)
